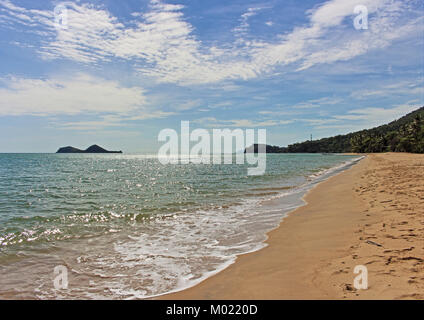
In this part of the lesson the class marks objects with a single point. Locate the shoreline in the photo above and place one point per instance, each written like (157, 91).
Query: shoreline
(303, 189)
(312, 253)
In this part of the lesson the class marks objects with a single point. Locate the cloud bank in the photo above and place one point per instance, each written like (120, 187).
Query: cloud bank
(79, 94)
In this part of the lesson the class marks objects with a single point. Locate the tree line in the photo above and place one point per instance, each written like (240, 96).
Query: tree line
(403, 135)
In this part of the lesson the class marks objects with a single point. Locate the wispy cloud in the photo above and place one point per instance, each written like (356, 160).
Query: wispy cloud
(188, 105)
(355, 119)
(397, 88)
(378, 115)
(363, 118)
(111, 120)
(162, 45)
(298, 108)
(317, 103)
(212, 122)
(101, 123)
(73, 95)
(10, 14)
(243, 28)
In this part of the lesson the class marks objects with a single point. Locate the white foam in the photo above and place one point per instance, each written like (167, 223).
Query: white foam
(178, 251)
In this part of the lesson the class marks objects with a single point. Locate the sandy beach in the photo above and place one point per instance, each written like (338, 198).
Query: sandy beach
(371, 215)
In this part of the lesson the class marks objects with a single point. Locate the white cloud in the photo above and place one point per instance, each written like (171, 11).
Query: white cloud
(103, 122)
(78, 94)
(294, 110)
(378, 115)
(317, 122)
(356, 119)
(188, 105)
(363, 118)
(111, 120)
(242, 29)
(162, 45)
(212, 122)
(399, 88)
(149, 114)
(386, 26)
(316, 103)
(279, 112)
(10, 14)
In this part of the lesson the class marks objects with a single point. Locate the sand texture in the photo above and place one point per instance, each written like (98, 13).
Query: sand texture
(371, 215)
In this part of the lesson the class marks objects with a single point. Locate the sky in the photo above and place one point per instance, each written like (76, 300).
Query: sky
(116, 73)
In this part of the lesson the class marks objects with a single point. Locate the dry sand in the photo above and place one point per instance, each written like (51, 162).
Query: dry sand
(371, 214)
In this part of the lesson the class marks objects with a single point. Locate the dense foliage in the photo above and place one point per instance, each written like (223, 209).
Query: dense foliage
(268, 149)
(403, 135)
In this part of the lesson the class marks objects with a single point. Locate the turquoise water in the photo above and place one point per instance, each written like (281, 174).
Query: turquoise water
(127, 226)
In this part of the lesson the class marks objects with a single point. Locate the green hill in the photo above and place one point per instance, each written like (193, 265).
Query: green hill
(403, 135)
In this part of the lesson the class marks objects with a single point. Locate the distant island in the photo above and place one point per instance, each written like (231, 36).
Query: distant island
(403, 135)
(93, 149)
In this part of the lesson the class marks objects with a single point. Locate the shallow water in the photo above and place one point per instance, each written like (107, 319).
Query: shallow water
(126, 226)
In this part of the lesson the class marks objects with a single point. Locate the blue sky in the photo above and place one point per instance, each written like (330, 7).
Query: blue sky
(121, 71)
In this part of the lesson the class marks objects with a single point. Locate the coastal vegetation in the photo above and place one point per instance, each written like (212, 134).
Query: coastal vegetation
(403, 135)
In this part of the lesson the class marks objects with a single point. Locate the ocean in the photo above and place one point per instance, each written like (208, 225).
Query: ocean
(128, 227)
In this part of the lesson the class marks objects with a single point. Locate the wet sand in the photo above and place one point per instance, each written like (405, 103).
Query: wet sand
(371, 215)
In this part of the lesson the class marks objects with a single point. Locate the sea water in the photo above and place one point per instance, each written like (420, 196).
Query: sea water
(126, 226)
